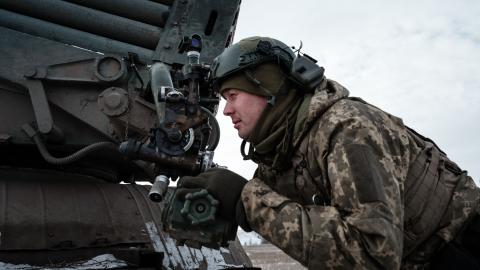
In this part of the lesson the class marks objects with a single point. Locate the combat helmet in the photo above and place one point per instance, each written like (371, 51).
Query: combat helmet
(249, 53)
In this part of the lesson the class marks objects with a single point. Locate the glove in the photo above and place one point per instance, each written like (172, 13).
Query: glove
(241, 217)
(224, 185)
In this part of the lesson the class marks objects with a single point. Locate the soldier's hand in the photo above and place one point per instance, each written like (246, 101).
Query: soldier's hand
(224, 185)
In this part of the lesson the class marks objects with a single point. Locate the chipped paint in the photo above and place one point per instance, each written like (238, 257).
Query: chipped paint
(154, 236)
(172, 251)
(190, 263)
(184, 257)
(157, 242)
(198, 254)
(105, 261)
(215, 260)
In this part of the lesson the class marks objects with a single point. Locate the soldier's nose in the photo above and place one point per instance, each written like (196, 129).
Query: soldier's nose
(227, 110)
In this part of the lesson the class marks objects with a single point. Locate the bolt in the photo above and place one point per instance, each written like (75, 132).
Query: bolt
(113, 100)
(175, 136)
(31, 72)
(200, 208)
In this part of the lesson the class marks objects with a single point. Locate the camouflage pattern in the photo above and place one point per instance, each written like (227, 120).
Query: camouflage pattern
(342, 205)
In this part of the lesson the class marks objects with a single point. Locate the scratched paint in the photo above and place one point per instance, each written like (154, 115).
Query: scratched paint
(105, 261)
(154, 236)
(184, 257)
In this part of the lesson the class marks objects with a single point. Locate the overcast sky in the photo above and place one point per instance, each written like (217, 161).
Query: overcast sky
(419, 60)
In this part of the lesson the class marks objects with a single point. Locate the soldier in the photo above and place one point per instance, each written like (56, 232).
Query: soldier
(340, 183)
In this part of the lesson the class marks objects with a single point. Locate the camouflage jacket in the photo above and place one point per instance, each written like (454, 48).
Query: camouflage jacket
(364, 191)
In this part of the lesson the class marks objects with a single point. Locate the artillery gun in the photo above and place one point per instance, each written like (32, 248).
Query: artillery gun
(77, 80)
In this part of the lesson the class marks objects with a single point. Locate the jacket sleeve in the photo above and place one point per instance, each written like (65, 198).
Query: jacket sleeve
(362, 227)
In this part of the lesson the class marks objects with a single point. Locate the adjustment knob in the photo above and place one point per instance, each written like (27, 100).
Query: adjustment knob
(199, 207)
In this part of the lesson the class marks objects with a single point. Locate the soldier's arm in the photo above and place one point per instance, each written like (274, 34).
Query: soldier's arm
(362, 228)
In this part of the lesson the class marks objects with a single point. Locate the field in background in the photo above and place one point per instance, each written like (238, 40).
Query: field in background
(265, 255)
(269, 257)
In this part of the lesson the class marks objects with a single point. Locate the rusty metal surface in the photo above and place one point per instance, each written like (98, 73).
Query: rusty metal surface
(56, 210)
(53, 216)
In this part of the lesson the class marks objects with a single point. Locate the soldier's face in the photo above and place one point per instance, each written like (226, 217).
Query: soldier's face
(244, 109)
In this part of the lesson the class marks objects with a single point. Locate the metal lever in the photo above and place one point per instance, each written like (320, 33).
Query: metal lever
(160, 82)
(41, 109)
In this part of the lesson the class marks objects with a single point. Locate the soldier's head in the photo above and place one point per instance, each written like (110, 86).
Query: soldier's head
(251, 75)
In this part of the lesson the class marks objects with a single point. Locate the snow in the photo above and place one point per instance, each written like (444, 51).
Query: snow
(249, 239)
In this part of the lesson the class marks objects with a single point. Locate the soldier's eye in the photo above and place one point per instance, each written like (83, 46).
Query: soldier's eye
(231, 95)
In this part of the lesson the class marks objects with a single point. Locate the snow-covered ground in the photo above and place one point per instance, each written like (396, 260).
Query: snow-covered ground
(249, 239)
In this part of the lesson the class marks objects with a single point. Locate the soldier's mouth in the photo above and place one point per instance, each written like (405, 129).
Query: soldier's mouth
(236, 124)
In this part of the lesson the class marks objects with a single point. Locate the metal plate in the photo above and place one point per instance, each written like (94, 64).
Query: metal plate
(48, 217)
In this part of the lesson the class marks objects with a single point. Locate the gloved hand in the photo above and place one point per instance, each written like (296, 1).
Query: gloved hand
(225, 186)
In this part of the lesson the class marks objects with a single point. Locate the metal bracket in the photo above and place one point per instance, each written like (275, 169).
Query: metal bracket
(41, 109)
(102, 69)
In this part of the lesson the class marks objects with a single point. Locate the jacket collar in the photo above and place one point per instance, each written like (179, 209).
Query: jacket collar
(327, 94)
